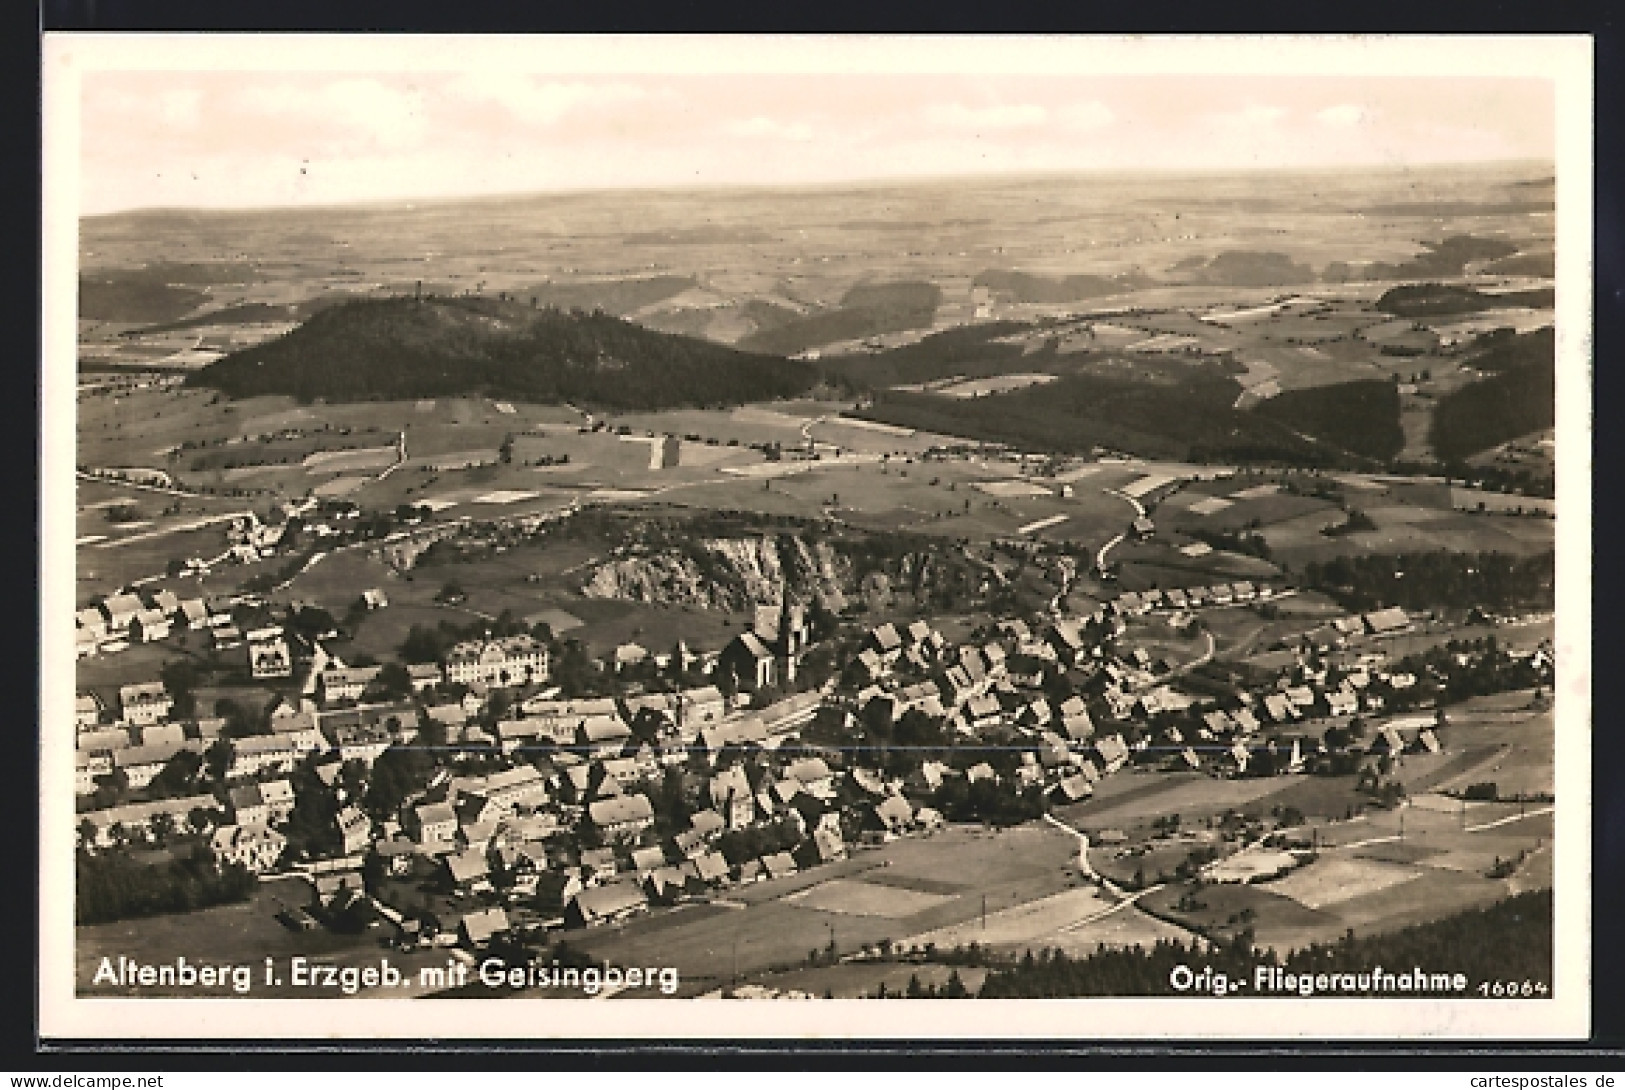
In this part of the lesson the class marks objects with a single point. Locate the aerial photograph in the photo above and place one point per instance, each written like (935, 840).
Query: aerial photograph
(809, 536)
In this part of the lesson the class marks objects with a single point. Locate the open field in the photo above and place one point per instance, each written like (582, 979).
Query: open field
(240, 934)
(854, 897)
(778, 928)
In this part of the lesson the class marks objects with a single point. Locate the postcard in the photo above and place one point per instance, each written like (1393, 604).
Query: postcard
(1095, 527)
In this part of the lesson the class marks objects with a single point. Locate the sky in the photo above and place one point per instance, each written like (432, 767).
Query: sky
(222, 139)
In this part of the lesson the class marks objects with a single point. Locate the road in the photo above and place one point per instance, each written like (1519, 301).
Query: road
(175, 528)
(1139, 513)
(1125, 900)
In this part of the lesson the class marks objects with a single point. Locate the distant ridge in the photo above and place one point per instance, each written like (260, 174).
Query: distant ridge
(406, 348)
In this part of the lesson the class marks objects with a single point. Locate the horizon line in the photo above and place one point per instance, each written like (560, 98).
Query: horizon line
(864, 182)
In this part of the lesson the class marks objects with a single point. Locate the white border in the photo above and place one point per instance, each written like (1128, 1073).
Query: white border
(1565, 60)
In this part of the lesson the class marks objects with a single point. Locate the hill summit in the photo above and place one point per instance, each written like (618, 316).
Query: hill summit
(402, 348)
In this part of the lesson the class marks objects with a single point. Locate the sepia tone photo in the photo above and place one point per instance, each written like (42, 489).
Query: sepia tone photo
(825, 520)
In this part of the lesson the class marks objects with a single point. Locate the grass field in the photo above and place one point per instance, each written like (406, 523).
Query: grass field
(713, 944)
(854, 897)
(240, 934)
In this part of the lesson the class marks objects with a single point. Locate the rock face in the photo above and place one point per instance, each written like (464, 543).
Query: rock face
(722, 573)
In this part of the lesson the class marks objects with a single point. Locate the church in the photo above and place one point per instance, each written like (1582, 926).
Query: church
(767, 655)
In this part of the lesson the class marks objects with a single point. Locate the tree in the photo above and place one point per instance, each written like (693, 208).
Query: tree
(178, 776)
(394, 681)
(217, 759)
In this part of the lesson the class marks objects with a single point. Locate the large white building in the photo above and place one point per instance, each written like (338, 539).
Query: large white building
(511, 660)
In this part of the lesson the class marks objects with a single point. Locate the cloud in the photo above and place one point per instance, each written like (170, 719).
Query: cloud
(957, 116)
(1342, 116)
(765, 127)
(391, 117)
(541, 103)
(1086, 115)
(1251, 117)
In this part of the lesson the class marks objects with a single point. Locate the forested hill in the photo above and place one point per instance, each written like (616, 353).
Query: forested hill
(392, 349)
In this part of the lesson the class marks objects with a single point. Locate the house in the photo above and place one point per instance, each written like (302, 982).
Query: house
(604, 904)
(697, 707)
(1427, 741)
(92, 623)
(262, 753)
(1071, 789)
(1078, 727)
(885, 639)
(479, 928)
(1113, 753)
(749, 662)
(120, 611)
(665, 884)
(1144, 528)
(359, 739)
(978, 772)
(150, 625)
(732, 797)
(630, 655)
(779, 865)
(141, 764)
(270, 658)
(1384, 622)
(981, 711)
(1238, 757)
(248, 806)
(87, 711)
(1246, 722)
(137, 818)
(145, 702)
(712, 868)
(508, 661)
(647, 859)
(1279, 708)
(751, 870)
(464, 869)
(893, 813)
(193, 614)
(104, 741)
(434, 826)
(814, 776)
(355, 829)
(345, 684)
(599, 863)
(824, 846)
(708, 823)
(503, 793)
(160, 734)
(374, 598)
(626, 815)
(299, 731)
(422, 676)
(1343, 702)
(87, 767)
(1068, 641)
(254, 847)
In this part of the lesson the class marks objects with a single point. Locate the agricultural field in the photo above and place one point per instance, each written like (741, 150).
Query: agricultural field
(777, 927)
(1380, 872)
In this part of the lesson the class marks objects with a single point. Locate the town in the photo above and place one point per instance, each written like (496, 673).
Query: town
(470, 801)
